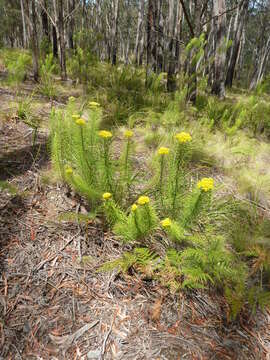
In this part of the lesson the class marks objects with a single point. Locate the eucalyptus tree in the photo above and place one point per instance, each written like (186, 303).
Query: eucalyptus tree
(219, 14)
(150, 33)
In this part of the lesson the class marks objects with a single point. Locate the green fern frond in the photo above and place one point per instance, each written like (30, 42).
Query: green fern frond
(140, 257)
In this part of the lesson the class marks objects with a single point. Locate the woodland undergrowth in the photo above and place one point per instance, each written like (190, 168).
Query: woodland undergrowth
(183, 232)
(153, 180)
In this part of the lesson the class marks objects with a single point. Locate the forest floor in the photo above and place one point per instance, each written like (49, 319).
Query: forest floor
(53, 302)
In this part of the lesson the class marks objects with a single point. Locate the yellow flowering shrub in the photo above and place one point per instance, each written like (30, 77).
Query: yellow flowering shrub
(206, 184)
(94, 104)
(134, 207)
(128, 133)
(69, 170)
(143, 200)
(166, 222)
(163, 151)
(105, 134)
(80, 122)
(183, 137)
(106, 196)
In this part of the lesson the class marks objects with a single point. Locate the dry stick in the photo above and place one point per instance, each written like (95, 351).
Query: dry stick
(54, 256)
(105, 342)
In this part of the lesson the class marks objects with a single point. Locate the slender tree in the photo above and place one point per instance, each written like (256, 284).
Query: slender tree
(25, 38)
(240, 22)
(115, 31)
(139, 34)
(219, 12)
(35, 50)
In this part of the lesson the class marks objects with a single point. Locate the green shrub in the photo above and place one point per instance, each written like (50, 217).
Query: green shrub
(179, 235)
(46, 86)
(82, 154)
(17, 65)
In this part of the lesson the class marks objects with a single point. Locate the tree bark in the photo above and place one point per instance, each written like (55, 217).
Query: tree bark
(55, 44)
(196, 29)
(115, 32)
(178, 32)
(236, 43)
(151, 39)
(71, 24)
(218, 87)
(25, 39)
(44, 20)
(59, 22)
(35, 50)
(155, 41)
(171, 83)
(260, 65)
(139, 35)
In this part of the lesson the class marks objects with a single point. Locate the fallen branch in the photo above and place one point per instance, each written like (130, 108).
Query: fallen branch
(66, 341)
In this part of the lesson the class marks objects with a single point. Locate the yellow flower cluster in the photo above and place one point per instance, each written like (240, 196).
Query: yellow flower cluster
(206, 184)
(143, 200)
(69, 170)
(71, 98)
(105, 134)
(128, 134)
(80, 122)
(134, 207)
(94, 104)
(163, 151)
(106, 196)
(183, 137)
(166, 222)
(75, 116)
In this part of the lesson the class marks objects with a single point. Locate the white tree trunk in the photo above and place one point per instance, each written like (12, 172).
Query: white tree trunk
(139, 34)
(25, 39)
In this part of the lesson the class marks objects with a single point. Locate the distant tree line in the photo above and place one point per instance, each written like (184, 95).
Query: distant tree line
(154, 33)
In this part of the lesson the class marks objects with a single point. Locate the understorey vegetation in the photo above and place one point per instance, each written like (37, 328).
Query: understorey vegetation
(166, 136)
(183, 233)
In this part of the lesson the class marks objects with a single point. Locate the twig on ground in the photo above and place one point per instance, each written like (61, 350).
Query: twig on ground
(105, 342)
(40, 266)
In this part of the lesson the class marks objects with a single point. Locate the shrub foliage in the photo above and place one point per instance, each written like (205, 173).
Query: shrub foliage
(179, 235)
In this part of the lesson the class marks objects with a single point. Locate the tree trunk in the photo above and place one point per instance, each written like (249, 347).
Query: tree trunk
(151, 40)
(139, 35)
(171, 83)
(218, 87)
(155, 44)
(55, 45)
(236, 43)
(83, 13)
(192, 85)
(159, 29)
(178, 33)
(44, 20)
(115, 32)
(71, 7)
(34, 41)
(261, 65)
(25, 40)
(59, 22)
